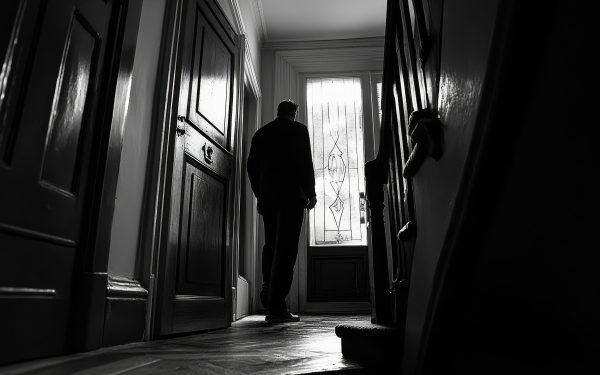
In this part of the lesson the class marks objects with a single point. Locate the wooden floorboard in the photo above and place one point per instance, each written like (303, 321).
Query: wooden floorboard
(249, 346)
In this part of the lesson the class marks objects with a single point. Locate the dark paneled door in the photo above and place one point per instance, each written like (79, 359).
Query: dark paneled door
(53, 55)
(195, 291)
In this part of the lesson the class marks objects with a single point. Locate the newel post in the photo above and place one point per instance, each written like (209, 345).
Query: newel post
(376, 177)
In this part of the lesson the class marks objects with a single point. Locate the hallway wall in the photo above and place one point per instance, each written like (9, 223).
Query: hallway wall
(132, 171)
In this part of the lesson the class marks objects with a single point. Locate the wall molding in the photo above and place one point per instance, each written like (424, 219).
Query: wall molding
(125, 311)
(326, 44)
(259, 16)
(249, 68)
(237, 16)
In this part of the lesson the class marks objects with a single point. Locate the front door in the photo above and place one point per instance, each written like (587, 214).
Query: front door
(334, 270)
(195, 275)
(51, 80)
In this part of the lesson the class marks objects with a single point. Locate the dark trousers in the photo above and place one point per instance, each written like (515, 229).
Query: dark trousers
(282, 230)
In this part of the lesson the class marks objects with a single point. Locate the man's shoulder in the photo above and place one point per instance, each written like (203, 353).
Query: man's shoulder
(298, 125)
(267, 127)
(279, 127)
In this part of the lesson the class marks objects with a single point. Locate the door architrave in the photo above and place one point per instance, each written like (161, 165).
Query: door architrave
(91, 285)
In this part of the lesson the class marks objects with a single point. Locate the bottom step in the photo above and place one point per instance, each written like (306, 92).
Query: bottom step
(372, 344)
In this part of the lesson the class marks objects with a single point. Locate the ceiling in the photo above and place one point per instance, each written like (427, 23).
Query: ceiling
(322, 19)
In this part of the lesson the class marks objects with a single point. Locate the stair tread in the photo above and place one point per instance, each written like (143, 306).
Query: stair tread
(366, 330)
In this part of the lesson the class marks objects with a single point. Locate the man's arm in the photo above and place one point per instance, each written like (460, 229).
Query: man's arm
(252, 166)
(307, 177)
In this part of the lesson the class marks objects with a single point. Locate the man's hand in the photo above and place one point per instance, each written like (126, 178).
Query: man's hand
(312, 201)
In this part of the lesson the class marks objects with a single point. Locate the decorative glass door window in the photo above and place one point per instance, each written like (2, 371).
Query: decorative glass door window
(335, 123)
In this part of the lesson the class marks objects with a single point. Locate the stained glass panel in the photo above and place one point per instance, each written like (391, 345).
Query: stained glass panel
(335, 123)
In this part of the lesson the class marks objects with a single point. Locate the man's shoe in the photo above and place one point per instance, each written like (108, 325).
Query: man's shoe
(281, 317)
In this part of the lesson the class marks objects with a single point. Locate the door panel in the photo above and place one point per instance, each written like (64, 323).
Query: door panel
(52, 65)
(201, 252)
(338, 276)
(61, 153)
(210, 97)
(19, 31)
(195, 291)
(205, 152)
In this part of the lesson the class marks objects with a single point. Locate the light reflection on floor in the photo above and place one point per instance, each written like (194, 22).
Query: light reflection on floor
(249, 346)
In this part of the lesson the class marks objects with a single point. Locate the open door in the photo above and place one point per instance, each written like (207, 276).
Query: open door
(333, 270)
(195, 268)
(54, 76)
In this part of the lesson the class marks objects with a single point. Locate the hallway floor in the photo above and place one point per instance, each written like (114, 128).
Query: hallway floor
(249, 346)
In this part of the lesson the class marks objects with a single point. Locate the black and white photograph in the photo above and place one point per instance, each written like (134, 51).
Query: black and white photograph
(299, 187)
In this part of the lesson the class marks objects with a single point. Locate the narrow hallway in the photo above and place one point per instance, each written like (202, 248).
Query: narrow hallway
(413, 178)
(249, 346)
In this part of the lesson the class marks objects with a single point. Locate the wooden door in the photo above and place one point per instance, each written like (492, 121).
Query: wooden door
(195, 289)
(52, 73)
(333, 270)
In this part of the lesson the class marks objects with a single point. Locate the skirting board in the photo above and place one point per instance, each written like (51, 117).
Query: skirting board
(125, 311)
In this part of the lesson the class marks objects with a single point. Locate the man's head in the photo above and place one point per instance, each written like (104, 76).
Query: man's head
(287, 109)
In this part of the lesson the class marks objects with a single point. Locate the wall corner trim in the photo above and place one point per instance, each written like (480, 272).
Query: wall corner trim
(237, 15)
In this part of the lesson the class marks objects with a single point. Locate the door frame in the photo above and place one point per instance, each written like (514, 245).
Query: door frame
(157, 196)
(90, 278)
(369, 143)
(291, 59)
(250, 83)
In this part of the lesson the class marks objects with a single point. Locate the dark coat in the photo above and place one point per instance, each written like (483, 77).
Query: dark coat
(280, 166)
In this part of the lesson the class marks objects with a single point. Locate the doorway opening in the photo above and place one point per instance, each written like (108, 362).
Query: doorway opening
(334, 267)
(246, 254)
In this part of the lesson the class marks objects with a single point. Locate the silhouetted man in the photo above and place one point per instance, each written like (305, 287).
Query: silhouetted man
(281, 173)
